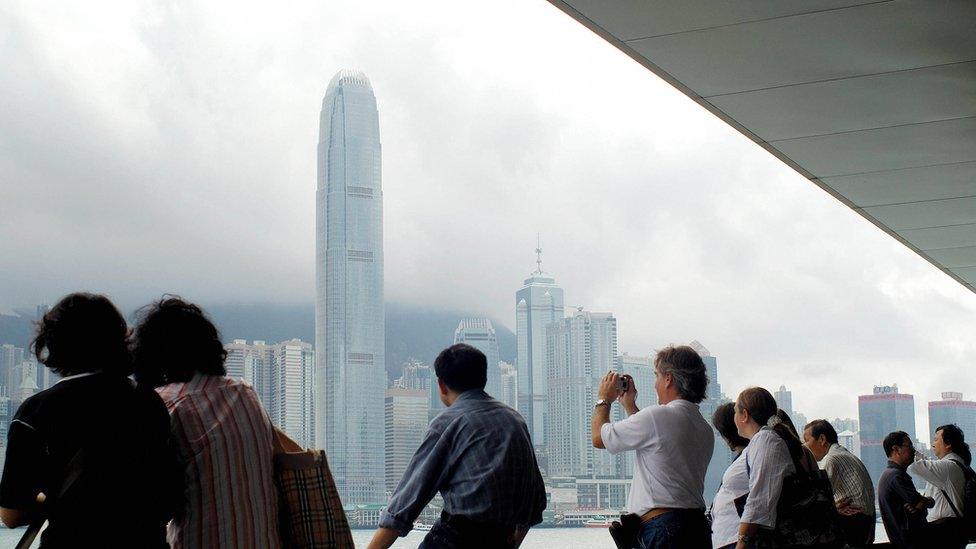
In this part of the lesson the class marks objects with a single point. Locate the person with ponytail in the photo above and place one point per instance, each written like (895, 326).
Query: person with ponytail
(946, 478)
(770, 456)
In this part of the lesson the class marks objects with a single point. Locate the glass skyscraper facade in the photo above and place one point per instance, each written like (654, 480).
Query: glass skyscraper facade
(538, 304)
(350, 376)
(880, 413)
(952, 409)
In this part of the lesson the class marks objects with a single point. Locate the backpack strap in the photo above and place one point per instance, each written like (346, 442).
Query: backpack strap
(946, 495)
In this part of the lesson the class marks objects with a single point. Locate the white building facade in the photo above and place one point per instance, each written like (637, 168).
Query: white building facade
(480, 334)
(580, 350)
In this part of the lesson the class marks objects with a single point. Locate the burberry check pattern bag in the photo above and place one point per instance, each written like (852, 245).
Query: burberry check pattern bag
(309, 509)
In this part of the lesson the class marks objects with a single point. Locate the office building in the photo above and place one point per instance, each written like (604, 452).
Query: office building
(349, 311)
(509, 385)
(580, 350)
(418, 375)
(405, 423)
(10, 356)
(784, 399)
(538, 304)
(292, 384)
(641, 368)
(480, 334)
(251, 362)
(721, 454)
(952, 409)
(880, 413)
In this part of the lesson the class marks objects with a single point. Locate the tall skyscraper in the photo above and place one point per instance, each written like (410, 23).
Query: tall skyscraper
(293, 376)
(880, 413)
(714, 391)
(10, 356)
(509, 383)
(538, 304)
(721, 454)
(480, 334)
(24, 385)
(349, 312)
(406, 412)
(580, 350)
(641, 368)
(953, 409)
(784, 398)
(252, 362)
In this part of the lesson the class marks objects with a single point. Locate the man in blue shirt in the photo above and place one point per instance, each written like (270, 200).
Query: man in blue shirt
(903, 509)
(477, 453)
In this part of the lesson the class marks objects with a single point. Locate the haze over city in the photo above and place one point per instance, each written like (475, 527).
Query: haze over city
(149, 148)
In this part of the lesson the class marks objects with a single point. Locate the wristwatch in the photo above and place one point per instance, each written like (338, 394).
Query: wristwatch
(602, 402)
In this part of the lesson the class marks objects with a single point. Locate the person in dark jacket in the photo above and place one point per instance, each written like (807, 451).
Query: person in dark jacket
(93, 453)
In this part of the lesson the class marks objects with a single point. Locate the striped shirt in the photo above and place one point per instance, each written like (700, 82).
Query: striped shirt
(849, 478)
(225, 444)
(478, 455)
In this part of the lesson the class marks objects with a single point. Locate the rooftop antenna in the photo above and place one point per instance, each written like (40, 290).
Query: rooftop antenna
(538, 254)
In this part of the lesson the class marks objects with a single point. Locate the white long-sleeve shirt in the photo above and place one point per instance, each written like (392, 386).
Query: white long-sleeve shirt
(673, 445)
(941, 475)
(768, 463)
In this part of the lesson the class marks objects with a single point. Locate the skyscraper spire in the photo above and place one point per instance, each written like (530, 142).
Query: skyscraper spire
(538, 254)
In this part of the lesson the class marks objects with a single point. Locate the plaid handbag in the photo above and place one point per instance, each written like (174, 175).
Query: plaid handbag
(310, 513)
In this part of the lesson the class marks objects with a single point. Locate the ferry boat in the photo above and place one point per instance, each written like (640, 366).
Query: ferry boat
(597, 522)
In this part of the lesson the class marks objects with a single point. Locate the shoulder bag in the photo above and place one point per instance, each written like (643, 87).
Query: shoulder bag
(309, 510)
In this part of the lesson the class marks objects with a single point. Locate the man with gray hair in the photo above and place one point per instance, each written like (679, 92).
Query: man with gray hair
(673, 445)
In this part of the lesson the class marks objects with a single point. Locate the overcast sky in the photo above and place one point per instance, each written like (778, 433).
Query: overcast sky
(150, 147)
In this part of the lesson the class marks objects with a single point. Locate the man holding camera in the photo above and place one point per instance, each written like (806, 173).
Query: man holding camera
(673, 445)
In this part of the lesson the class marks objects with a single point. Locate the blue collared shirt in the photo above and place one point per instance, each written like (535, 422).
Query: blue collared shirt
(477, 453)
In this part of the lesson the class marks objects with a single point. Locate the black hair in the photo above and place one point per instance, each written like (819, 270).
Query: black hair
(175, 340)
(724, 421)
(462, 367)
(895, 438)
(83, 333)
(953, 436)
(822, 427)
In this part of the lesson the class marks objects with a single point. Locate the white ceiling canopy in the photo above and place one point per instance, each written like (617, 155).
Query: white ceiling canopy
(874, 101)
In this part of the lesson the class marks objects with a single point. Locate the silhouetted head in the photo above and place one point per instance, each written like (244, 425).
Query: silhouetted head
(83, 333)
(461, 368)
(173, 341)
(950, 438)
(679, 372)
(724, 421)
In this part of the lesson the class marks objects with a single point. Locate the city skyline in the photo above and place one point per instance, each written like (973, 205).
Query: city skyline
(650, 207)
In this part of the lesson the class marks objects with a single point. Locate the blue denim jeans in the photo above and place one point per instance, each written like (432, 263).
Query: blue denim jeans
(678, 529)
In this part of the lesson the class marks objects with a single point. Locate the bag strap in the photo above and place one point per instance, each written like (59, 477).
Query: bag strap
(949, 501)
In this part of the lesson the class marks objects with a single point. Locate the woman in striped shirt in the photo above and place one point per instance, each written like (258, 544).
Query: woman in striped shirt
(224, 436)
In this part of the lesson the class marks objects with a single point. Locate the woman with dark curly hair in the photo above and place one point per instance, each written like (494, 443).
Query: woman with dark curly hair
(94, 445)
(224, 436)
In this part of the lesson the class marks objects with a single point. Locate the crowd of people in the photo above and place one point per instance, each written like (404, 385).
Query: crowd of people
(145, 442)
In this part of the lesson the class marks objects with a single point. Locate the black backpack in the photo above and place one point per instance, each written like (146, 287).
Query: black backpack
(968, 514)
